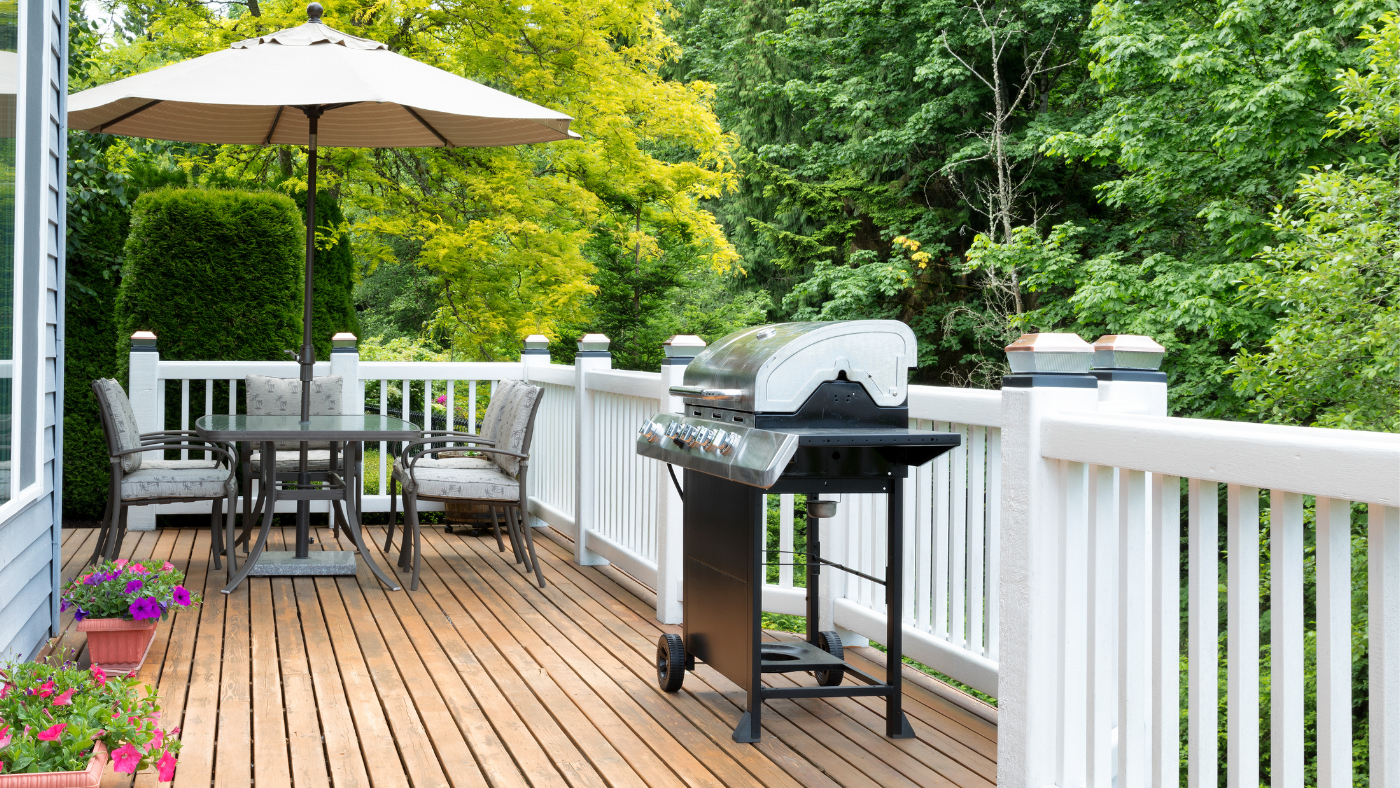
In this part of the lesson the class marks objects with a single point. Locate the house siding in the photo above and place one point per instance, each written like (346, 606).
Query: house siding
(30, 538)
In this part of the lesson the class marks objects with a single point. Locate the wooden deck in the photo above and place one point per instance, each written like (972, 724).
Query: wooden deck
(481, 679)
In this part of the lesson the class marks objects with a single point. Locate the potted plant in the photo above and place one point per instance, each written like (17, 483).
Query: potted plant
(60, 724)
(118, 605)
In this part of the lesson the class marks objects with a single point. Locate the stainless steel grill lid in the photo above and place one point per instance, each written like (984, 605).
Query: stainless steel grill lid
(775, 368)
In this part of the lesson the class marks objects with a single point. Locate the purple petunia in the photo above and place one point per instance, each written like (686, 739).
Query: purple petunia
(94, 578)
(80, 614)
(144, 608)
(63, 606)
(133, 586)
(181, 595)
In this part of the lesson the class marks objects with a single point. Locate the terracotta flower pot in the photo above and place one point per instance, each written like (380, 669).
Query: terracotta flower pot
(116, 644)
(91, 777)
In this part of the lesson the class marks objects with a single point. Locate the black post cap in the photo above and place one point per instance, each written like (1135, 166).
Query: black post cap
(313, 12)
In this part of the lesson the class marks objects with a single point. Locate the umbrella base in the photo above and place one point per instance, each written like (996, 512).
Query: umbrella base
(284, 563)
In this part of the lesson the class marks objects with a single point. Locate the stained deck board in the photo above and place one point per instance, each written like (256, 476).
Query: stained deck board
(483, 680)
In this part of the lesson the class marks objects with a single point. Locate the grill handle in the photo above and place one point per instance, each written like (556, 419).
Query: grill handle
(700, 392)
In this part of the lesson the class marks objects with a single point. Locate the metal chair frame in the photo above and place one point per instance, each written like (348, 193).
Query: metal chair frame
(113, 533)
(516, 511)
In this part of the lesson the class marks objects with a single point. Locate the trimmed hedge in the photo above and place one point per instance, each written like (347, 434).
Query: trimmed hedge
(215, 274)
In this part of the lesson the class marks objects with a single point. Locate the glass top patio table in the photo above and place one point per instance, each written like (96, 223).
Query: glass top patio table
(353, 431)
(318, 428)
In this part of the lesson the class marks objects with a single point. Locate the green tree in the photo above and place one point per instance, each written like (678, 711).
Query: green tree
(1333, 358)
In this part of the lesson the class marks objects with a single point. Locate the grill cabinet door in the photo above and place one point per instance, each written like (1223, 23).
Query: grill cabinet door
(722, 591)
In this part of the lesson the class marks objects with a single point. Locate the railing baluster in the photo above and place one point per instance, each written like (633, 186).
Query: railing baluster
(976, 535)
(233, 397)
(1242, 656)
(1134, 639)
(1334, 751)
(1203, 634)
(786, 539)
(993, 539)
(922, 543)
(958, 600)
(451, 406)
(184, 412)
(942, 561)
(383, 445)
(208, 397)
(1286, 639)
(1383, 606)
(471, 407)
(1103, 625)
(1166, 630)
(1074, 604)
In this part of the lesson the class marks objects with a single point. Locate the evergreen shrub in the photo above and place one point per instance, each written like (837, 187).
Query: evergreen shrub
(215, 274)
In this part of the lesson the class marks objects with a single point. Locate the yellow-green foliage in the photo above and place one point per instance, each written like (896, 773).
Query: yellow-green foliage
(505, 227)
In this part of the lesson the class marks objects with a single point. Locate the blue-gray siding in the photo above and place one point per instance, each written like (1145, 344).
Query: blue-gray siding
(30, 538)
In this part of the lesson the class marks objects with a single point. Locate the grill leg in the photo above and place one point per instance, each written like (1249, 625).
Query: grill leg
(896, 724)
(750, 729)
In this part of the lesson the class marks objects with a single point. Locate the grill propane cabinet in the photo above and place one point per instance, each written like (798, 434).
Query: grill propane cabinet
(813, 408)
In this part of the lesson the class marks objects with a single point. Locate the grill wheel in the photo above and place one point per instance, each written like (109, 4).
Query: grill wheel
(830, 642)
(670, 662)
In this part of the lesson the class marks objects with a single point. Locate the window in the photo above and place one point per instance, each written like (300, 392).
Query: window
(9, 113)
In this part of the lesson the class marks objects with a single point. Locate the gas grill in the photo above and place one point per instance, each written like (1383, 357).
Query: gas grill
(813, 408)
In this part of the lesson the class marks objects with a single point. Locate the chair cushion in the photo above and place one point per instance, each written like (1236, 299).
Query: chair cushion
(479, 484)
(459, 463)
(290, 461)
(515, 422)
(269, 396)
(499, 394)
(168, 465)
(123, 419)
(176, 483)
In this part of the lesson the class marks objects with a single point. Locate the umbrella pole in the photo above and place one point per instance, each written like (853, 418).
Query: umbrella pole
(308, 353)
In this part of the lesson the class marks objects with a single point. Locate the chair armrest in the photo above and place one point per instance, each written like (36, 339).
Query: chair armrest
(230, 454)
(466, 436)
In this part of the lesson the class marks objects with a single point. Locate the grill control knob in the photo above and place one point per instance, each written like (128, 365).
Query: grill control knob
(708, 438)
(650, 430)
(687, 436)
(728, 443)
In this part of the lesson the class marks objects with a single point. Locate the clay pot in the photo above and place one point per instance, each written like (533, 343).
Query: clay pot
(91, 777)
(118, 645)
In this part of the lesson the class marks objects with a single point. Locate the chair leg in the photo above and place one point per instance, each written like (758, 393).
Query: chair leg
(410, 510)
(496, 526)
(522, 555)
(114, 542)
(216, 540)
(530, 542)
(108, 527)
(228, 531)
(516, 546)
(393, 513)
(247, 489)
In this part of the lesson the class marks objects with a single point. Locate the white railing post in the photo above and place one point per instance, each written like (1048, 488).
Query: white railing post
(142, 390)
(1031, 627)
(680, 350)
(345, 362)
(535, 353)
(592, 355)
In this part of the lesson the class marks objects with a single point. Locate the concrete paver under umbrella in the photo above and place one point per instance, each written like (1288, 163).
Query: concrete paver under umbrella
(312, 85)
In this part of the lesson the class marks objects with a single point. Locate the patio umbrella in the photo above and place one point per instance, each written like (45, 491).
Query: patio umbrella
(312, 84)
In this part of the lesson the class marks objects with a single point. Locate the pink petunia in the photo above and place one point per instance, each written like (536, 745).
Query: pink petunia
(46, 689)
(137, 569)
(167, 566)
(54, 733)
(165, 768)
(158, 738)
(5, 737)
(84, 578)
(66, 699)
(126, 758)
(5, 690)
(99, 676)
(120, 562)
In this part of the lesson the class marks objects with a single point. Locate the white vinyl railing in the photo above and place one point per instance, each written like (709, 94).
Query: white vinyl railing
(1044, 563)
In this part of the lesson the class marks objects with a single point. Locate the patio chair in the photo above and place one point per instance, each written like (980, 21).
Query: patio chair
(142, 481)
(503, 485)
(270, 396)
(499, 394)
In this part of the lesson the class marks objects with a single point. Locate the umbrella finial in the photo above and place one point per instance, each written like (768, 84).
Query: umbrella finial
(313, 13)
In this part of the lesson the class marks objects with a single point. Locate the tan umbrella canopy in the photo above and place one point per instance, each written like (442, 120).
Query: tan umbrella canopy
(312, 84)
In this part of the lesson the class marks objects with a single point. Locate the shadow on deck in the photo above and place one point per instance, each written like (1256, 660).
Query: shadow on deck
(481, 679)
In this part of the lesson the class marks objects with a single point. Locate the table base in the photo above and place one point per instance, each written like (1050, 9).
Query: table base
(284, 563)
